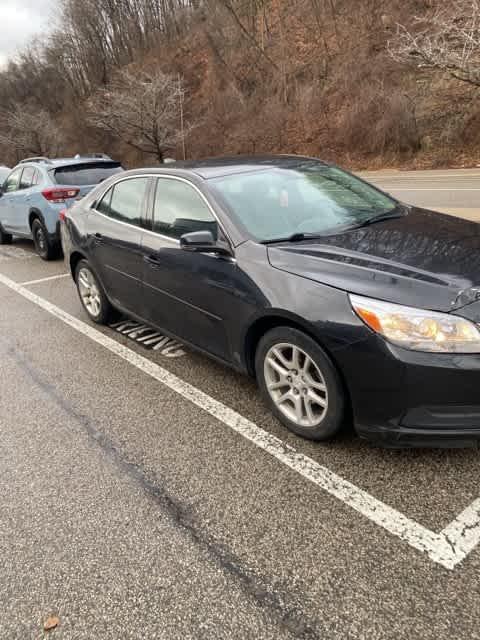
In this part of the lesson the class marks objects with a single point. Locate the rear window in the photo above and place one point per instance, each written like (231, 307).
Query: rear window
(86, 174)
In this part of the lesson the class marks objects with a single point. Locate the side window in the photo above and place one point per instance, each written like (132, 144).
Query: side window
(11, 183)
(126, 201)
(179, 209)
(27, 178)
(104, 205)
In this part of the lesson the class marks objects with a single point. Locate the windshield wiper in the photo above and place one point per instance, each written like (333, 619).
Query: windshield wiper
(299, 236)
(295, 237)
(380, 218)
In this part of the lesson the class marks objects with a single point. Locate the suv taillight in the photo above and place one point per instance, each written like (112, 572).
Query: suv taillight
(60, 194)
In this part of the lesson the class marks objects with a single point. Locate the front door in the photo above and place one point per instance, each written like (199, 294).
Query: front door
(115, 241)
(187, 294)
(20, 220)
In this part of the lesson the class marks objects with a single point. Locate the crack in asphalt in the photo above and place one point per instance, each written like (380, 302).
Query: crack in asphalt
(451, 543)
(284, 605)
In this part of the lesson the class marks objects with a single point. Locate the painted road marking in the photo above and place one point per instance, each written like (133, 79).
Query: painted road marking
(447, 548)
(30, 282)
(149, 338)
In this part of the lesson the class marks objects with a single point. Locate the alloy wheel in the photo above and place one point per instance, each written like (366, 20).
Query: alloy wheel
(89, 292)
(41, 240)
(296, 385)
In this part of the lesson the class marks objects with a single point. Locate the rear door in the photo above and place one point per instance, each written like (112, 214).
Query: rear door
(115, 231)
(9, 198)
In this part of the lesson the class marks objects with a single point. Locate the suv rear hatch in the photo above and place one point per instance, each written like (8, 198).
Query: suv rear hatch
(83, 177)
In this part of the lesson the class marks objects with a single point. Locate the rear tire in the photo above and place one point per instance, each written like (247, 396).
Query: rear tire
(300, 384)
(5, 238)
(45, 248)
(91, 294)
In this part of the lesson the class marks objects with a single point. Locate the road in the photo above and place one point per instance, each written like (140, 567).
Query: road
(456, 192)
(147, 493)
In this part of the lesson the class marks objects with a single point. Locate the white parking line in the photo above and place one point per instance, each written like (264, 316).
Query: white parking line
(447, 548)
(30, 282)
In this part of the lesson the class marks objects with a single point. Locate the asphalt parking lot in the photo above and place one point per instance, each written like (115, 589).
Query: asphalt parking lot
(147, 493)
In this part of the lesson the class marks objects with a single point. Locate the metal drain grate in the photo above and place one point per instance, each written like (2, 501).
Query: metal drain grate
(149, 338)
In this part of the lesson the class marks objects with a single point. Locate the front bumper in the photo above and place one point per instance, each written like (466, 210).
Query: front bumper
(405, 398)
(409, 437)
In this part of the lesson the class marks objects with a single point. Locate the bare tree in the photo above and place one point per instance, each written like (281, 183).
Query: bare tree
(448, 40)
(27, 131)
(142, 110)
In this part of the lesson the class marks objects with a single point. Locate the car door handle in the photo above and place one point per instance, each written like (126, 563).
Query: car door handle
(153, 260)
(98, 238)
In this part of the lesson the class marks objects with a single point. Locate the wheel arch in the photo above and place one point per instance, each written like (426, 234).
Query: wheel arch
(261, 325)
(74, 259)
(275, 319)
(35, 214)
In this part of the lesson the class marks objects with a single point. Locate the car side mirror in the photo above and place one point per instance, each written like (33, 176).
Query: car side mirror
(198, 241)
(201, 241)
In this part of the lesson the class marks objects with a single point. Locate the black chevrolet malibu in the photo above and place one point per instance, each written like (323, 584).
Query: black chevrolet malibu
(341, 301)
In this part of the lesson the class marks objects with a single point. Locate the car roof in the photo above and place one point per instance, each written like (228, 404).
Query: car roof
(216, 167)
(55, 163)
(230, 165)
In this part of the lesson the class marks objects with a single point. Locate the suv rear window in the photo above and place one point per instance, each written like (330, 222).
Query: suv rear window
(86, 174)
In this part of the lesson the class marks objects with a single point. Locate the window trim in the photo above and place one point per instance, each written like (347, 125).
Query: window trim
(100, 200)
(145, 200)
(151, 208)
(20, 171)
(149, 201)
(32, 183)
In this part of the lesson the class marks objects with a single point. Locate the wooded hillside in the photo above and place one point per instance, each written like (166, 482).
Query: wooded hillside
(362, 82)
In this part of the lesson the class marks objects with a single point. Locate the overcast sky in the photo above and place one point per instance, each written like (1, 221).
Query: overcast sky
(20, 21)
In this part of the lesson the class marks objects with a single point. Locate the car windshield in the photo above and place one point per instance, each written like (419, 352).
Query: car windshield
(312, 199)
(86, 174)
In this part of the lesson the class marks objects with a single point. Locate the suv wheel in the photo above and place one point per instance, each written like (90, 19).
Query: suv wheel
(91, 294)
(5, 238)
(300, 383)
(43, 245)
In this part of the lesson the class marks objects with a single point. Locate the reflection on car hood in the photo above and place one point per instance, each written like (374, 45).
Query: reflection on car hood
(424, 259)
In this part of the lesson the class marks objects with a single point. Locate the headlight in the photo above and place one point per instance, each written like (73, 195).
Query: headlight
(418, 329)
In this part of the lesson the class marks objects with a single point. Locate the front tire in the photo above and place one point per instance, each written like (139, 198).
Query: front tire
(43, 245)
(5, 238)
(300, 384)
(92, 296)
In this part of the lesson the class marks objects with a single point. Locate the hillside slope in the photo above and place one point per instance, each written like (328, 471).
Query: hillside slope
(305, 76)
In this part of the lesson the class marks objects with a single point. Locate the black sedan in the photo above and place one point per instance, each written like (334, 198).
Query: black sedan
(341, 301)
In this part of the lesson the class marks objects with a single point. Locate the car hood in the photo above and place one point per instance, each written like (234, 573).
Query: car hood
(423, 259)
